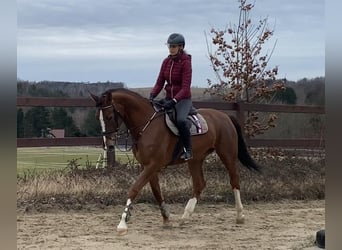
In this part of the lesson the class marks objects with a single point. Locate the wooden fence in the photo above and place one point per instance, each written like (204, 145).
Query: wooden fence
(239, 108)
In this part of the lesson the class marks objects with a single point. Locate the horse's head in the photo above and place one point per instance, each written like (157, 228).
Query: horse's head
(117, 106)
(108, 117)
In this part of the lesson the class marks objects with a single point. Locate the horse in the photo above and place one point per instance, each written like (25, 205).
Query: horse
(153, 142)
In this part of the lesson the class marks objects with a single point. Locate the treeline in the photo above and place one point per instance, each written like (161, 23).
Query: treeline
(63, 89)
(309, 91)
(36, 121)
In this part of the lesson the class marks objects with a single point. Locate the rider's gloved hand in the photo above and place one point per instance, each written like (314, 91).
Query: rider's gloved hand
(152, 97)
(170, 103)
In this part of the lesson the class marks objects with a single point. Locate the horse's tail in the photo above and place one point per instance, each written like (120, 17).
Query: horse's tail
(243, 154)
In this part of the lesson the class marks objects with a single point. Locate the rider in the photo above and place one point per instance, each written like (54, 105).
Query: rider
(176, 70)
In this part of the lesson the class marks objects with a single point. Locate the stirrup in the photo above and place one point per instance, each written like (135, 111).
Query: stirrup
(187, 155)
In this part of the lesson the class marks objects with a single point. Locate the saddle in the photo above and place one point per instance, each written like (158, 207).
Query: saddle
(198, 124)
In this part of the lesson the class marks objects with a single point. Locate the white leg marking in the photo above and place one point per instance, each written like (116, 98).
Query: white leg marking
(189, 208)
(122, 227)
(240, 219)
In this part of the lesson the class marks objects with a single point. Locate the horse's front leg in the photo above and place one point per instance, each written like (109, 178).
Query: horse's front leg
(141, 181)
(122, 228)
(154, 183)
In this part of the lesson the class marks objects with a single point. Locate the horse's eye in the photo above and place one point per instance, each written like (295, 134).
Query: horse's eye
(109, 118)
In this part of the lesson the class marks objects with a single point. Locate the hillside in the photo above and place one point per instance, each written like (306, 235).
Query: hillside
(197, 93)
(68, 89)
(307, 91)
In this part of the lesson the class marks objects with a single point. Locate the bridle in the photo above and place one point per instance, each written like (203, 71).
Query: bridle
(116, 121)
(116, 131)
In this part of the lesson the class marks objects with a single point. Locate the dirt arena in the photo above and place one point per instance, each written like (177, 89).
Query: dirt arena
(282, 225)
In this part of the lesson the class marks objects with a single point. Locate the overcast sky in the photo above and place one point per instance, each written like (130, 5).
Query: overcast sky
(124, 40)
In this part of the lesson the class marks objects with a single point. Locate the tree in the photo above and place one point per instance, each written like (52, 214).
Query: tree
(20, 123)
(287, 96)
(22, 87)
(91, 126)
(315, 91)
(36, 120)
(61, 120)
(242, 73)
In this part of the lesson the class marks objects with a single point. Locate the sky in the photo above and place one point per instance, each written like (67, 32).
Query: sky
(124, 40)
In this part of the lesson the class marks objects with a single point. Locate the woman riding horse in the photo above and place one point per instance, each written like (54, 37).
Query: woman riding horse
(176, 70)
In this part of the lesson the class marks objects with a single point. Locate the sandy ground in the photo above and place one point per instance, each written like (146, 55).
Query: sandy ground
(283, 225)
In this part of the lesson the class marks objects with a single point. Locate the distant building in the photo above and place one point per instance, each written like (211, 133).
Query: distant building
(58, 133)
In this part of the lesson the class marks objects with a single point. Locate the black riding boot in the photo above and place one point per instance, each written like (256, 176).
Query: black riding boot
(185, 137)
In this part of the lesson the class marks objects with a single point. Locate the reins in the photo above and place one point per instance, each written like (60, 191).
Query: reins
(118, 133)
(148, 123)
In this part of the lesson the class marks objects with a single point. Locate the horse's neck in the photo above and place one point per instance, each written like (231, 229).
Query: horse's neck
(137, 111)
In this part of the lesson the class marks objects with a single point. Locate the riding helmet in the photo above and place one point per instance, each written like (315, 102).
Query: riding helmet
(176, 38)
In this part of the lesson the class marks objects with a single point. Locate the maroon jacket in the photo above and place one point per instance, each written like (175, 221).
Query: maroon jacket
(177, 72)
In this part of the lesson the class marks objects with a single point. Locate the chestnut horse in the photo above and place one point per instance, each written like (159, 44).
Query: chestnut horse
(153, 143)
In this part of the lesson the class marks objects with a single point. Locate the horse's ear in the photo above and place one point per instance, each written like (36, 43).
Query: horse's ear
(108, 98)
(94, 97)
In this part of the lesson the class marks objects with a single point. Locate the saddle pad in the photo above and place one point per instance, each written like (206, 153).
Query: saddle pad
(199, 125)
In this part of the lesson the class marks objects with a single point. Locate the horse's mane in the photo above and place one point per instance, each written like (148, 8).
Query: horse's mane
(127, 91)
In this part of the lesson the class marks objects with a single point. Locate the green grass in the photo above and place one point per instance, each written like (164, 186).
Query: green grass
(42, 158)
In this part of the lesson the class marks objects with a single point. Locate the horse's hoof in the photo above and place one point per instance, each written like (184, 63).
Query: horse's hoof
(166, 222)
(184, 222)
(121, 231)
(240, 220)
(186, 215)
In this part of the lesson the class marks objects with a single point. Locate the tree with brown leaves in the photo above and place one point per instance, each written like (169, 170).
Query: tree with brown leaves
(241, 70)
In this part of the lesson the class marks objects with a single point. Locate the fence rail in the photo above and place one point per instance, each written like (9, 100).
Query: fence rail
(239, 108)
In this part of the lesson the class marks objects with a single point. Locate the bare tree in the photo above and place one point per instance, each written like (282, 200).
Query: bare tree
(241, 70)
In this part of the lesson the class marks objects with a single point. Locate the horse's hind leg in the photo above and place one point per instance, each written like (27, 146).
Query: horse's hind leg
(154, 183)
(198, 184)
(230, 164)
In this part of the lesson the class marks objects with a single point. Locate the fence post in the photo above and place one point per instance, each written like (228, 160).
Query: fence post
(111, 159)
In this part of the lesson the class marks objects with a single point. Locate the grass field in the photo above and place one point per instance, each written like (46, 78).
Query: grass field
(58, 157)
(283, 177)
